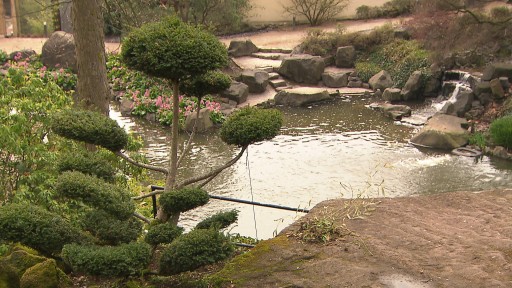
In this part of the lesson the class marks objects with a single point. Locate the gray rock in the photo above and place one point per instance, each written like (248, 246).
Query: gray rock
(126, 107)
(278, 83)
(366, 86)
(345, 57)
(301, 96)
(497, 89)
(395, 112)
(257, 80)
(462, 103)
(202, 123)
(483, 87)
(59, 51)
(432, 87)
(237, 92)
(378, 93)
(355, 84)
(412, 88)
(448, 88)
(22, 54)
(303, 69)
(392, 95)
(442, 132)
(497, 70)
(505, 83)
(272, 76)
(335, 80)
(381, 80)
(240, 48)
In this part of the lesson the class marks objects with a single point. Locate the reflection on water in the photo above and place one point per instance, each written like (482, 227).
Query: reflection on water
(320, 148)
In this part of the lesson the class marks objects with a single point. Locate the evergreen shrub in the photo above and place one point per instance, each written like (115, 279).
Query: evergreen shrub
(183, 199)
(110, 230)
(163, 233)
(122, 260)
(219, 221)
(88, 163)
(90, 127)
(501, 131)
(195, 249)
(212, 82)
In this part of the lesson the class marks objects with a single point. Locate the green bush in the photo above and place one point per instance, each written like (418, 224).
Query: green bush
(183, 199)
(366, 70)
(173, 50)
(90, 127)
(3, 57)
(46, 274)
(110, 230)
(122, 260)
(88, 163)
(163, 234)
(501, 131)
(195, 249)
(390, 9)
(250, 125)
(212, 82)
(37, 228)
(95, 193)
(219, 221)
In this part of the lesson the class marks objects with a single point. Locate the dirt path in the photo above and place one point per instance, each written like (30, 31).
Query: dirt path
(444, 240)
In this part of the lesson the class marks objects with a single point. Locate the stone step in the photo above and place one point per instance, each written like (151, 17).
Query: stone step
(277, 83)
(275, 50)
(268, 69)
(267, 56)
(278, 89)
(273, 76)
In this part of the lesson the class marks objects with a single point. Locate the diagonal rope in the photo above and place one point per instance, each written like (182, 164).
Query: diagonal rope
(252, 194)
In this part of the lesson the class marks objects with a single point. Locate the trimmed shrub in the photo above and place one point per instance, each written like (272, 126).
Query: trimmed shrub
(37, 228)
(501, 131)
(122, 260)
(88, 163)
(210, 83)
(163, 234)
(173, 50)
(250, 125)
(195, 249)
(90, 127)
(96, 193)
(183, 199)
(110, 230)
(219, 221)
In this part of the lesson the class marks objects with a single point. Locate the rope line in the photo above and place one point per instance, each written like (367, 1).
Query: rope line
(252, 194)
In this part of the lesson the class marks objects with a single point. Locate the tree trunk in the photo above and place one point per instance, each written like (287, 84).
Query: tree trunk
(56, 15)
(92, 87)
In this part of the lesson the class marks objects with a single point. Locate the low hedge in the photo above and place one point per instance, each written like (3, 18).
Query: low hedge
(37, 228)
(182, 200)
(195, 249)
(90, 127)
(162, 234)
(96, 193)
(122, 260)
(250, 125)
(219, 221)
(110, 230)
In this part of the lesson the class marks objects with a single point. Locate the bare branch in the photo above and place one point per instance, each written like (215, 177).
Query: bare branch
(477, 18)
(215, 172)
(194, 129)
(157, 192)
(141, 217)
(142, 165)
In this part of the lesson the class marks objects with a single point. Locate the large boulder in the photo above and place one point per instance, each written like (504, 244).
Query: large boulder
(413, 87)
(381, 80)
(345, 57)
(257, 80)
(59, 51)
(202, 123)
(45, 275)
(301, 96)
(432, 87)
(395, 112)
(497, 89)
(240, 48)
(21, 55)
(497, 70)
(335, 80)
(443, 131)
(237, 92)
(392, 95)
(463, 102)
(303, 68)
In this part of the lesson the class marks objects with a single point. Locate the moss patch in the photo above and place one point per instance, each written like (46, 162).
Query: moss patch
(45, 275)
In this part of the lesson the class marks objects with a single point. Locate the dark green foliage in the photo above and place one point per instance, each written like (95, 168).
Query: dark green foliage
(173, 50)
(163, 233)
(90, 127)
(212, 82)
(393, 8)
(8, 276)
(195, 249)
(3, 57)
(87, 163)
(96, 193)
(183, 199)
(366, 70)
(122, 260)
(250, 125)
(110, 230)
(501, 131)
(37, 228)
(219, 221)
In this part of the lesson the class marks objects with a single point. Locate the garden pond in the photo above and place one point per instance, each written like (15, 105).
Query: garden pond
(340, 149)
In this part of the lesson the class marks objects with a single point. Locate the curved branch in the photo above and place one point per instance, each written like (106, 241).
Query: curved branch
(194, 129)
(148, 195)
(142, 165)
(215, 172)
(141, 217)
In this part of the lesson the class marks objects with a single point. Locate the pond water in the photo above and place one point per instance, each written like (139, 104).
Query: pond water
(330, 150)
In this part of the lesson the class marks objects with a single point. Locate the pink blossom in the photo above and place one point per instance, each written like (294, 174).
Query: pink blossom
(146, 94)
(43, 68)
(159, 101)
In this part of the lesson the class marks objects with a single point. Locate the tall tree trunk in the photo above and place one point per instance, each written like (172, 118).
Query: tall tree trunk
(92, 87)
(56, 15)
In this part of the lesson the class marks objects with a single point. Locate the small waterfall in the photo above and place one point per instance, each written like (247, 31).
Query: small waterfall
(462, 82)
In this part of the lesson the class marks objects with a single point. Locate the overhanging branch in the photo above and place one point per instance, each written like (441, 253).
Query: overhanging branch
(142, 165)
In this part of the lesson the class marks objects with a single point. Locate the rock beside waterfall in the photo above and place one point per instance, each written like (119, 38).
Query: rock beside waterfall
(444, 132)
(301, 96)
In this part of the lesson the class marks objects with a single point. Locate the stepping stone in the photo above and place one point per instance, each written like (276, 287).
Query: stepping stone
(268, 69)
(273, 76)
(278, 83)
